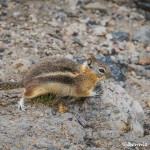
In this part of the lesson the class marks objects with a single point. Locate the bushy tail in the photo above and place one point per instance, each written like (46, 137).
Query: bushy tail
(10, 85)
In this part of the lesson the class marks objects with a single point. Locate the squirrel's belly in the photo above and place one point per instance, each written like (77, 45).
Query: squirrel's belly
(60, 88)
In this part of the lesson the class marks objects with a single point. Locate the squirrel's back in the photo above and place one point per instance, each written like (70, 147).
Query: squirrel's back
(51, 68)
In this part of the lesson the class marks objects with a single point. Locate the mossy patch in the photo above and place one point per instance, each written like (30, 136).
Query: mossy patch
(49, 100)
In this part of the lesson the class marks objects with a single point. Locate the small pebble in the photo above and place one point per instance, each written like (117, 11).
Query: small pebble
(16, 14)
(144, 59)
(1, 50)
(54, 24)
(96, 5)
(120, 36)
(148, 49)
(1, 94)
(113, 51)
(9, 53)
(91, 22)
(109, 36)
(143, 34)
(99, 30)
(4, 13)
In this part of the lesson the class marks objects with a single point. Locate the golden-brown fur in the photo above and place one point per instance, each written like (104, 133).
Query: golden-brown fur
(84, 86)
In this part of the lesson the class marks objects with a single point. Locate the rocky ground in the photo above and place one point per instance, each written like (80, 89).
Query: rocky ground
(118, 33)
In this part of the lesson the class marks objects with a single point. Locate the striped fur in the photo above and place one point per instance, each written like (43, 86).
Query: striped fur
(51, 66)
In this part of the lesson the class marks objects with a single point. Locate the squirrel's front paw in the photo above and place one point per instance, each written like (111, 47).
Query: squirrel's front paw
(93, 94)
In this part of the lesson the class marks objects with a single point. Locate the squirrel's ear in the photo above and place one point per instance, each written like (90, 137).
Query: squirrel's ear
(93, 57)
(89, 61)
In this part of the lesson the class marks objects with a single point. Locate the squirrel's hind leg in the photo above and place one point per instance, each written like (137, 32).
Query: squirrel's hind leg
(28, 93)
(21, 104)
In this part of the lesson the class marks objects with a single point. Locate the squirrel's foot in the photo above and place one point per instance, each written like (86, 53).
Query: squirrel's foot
(21, 104)
(93, 94)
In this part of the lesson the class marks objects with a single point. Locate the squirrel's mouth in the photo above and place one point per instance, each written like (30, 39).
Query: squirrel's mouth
(109, 75)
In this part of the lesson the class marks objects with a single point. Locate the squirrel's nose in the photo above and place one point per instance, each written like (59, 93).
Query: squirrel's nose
(109, 75)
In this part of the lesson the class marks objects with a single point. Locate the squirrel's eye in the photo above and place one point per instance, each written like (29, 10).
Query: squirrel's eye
(101, 70)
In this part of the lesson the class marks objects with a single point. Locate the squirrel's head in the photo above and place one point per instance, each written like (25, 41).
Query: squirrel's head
(100, 69)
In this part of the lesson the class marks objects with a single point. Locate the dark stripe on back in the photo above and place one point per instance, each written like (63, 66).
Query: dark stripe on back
(49, 66)
(57, 79)
(48, 69)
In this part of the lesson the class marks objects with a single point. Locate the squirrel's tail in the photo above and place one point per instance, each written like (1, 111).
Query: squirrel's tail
(10, 85)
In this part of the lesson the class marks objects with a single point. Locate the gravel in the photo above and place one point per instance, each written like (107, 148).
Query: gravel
(143, 34)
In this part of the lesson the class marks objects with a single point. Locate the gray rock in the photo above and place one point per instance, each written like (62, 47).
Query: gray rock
(47, 129)
(109, 36)
(144, 4)
(1, 64)
(91, 22)
(4, 12)
(99, 30)
(143, 35)
(21, 65)
(48, 111)
(76, 147)
(134, 60)
(120, 57)
(16, 14)
(54, 23)
(71, 7)
(120, 36)
(144, 58)
(140, 70)
(1, 94)
(2, 76)
(6, 38)
(1, 50)
(4, 3)
(110, 133)
(125, 113)
(96, 5)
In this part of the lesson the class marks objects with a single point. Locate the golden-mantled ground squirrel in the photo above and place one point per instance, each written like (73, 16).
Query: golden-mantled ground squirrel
(60, 76)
